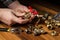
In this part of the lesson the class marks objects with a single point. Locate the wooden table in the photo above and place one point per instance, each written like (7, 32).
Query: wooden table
(24, 36)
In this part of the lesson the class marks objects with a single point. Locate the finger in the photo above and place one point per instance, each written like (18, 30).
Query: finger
(24, 21)
(25, 9)
(18, 13)
(19, 20)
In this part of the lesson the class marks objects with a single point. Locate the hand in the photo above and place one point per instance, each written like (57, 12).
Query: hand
(8, 17)
(20, 9)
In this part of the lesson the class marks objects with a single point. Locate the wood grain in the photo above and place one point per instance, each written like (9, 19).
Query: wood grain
(24, 36)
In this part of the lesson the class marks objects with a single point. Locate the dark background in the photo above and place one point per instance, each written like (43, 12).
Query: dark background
(29, 2)
(54, 2)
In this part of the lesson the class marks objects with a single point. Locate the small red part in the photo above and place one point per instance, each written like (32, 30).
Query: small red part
(34, 12)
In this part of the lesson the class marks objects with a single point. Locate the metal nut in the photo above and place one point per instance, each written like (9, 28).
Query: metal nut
(53, 33)
(36, 32)
(42, 31)
(28, 31)
(49, 17)
(50, 27)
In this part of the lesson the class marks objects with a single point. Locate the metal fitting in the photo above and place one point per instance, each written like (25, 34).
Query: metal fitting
(53, 33)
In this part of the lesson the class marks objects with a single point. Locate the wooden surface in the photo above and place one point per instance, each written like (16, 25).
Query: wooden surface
(24, 36)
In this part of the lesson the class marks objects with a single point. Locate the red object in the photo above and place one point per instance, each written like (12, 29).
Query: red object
(34, 12)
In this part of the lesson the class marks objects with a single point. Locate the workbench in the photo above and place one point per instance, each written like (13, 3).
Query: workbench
(24, 36)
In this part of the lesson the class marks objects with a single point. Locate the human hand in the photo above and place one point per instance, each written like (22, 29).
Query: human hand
(20, 9)
(8, 17)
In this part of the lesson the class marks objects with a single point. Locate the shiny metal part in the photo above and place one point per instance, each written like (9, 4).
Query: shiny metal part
(57, 17)
(36, 32)
(39, 16)
(47, 22)
(16, 30)
(12, 30)
(45, 16)
(39, 26)
(37, 22)
(50, 17)
(27, 15)
(50, 27)
(42, 31)
(53, 33)
(57, 23)
(28, 31)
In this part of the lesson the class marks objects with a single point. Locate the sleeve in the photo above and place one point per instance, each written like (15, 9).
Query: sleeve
(7, 2)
